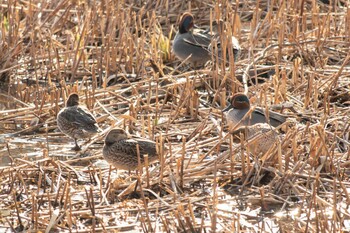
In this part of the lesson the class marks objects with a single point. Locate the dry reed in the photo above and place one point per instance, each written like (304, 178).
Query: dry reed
(117, 56)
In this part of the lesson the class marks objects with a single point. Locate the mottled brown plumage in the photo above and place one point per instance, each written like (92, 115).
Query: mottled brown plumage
(76, 121)
(260, 137)
(120, 151)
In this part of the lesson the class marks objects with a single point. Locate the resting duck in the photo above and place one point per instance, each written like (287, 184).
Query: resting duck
(120, 151)
(195, 44)
(260, 137)
(239, 105)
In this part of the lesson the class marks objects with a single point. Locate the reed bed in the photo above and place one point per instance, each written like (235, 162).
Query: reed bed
(117, 56)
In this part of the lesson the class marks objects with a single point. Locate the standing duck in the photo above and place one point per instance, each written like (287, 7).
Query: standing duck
(76, 121)
(120, 151)
(239, 105)
(195, 44)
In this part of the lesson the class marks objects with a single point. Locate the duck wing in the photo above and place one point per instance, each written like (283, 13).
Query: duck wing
(198, 38)
(128, 146)
(80, 117)
(276, 117)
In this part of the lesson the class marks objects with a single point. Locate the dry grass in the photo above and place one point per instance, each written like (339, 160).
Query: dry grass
(117, 56)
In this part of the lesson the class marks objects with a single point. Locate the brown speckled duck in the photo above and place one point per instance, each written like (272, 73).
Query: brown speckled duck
(239, 105)
(76, 121)
(261, 137)
(120, 151)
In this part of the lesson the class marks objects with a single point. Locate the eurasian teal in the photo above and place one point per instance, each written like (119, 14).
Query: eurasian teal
(239, 106)
(260, 137)
(195, 44)
(218, 28)
(76, 121)
(120, 151)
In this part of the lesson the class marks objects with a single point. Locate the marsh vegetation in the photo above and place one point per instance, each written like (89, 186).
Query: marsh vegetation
(117, 56)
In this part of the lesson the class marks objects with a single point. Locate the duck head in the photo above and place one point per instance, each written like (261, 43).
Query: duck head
(115, 135)
(186, 23)
(73, 100)
(218, 26)
(238, 101)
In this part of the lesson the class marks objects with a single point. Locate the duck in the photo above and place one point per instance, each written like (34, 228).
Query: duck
(120, 151)
(194, 44)
(260, 137)
(218, 29)
(76, 121)
(239, 106)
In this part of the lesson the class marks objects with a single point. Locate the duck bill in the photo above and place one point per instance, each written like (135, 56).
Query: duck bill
(227, 108)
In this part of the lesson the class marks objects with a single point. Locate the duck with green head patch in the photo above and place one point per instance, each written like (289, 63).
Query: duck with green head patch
(194, 44)
(239, 106)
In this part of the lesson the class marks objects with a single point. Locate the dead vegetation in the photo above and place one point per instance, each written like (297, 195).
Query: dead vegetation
(117, 56)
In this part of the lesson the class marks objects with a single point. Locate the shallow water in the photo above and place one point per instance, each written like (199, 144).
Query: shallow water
(37, 147)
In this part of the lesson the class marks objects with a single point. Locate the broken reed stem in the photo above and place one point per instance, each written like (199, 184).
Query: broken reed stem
(162, 160)
(57, 194)
(215, 201)
(39, 182)
(156, 118)
(182, 163)
(309, 42)
(64, 190)
(243, 157)
(70, 214)
(34, 212)
(139, 181)
(67, 192)
(139, 167)
(92, 208)
(279, 154)
(231, 157)
(17, 212)
(142, 126)
(149, 126)
(147, 170)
